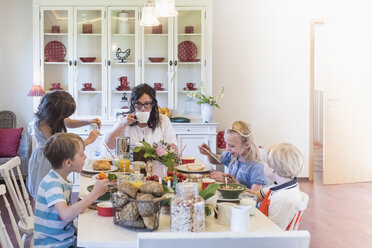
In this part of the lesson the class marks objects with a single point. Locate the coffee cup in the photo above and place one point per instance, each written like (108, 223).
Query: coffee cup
(142, 117)
(56, 85)
(206, 182)
(240, 218)
(124, 84)
(190, 86)
(189, 29)
(87, 85)
(158, 85)
(224, 212)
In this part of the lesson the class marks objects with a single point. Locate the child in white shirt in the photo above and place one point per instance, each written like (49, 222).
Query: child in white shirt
(283, 163)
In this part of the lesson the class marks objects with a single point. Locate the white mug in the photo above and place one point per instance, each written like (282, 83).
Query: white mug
(240, 218)
(142, 117)
(224, 212)
(137, 165)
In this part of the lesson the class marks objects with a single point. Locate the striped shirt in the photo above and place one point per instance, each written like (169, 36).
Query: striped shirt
(49, 229)
(280, 201)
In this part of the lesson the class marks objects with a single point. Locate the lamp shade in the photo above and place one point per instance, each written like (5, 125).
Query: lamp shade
(165, 8)
(36, 90)
(148, 17)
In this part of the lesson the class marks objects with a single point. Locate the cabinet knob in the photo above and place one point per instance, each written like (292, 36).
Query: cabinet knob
(69, 62)
(75, 63)
(108, 62)
(175, 63)
(170, 62)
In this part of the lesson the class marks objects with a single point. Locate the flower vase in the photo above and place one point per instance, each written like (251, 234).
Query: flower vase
(159, 169)
(207, 112)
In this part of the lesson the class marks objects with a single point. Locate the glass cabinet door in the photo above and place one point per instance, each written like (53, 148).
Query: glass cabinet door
(56, 49)
(89, 62)
(189, 52)
(157, 60)
(123, 57)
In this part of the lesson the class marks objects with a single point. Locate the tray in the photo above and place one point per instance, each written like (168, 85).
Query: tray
(180, 119)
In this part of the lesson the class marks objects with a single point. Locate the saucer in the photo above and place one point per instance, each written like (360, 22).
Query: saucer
(185, 88)
(88, 89)
(56, 88)
(122, 89)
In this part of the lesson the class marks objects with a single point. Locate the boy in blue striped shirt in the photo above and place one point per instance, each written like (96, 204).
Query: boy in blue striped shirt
(54, 214)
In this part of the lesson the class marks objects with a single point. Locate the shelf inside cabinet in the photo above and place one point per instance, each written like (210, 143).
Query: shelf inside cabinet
(189, 63)
(124, 35)
(55, 34)
(161, 91)
(156, 63)
(90, 92)
(191, 34)
(124, 63)
(90, 63)
(184, 91)
(56, 63)
(121, 92)
(157, 35)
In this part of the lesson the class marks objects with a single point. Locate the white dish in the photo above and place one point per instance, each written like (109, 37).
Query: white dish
(183, 168)
(89, 168)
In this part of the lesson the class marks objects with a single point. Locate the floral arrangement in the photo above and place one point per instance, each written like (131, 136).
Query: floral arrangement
(158, 151)
(202, 96)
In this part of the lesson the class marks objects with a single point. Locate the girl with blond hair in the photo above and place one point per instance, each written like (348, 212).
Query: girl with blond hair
(241, 158)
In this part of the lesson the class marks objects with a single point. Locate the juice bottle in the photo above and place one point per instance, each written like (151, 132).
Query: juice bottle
(121, 165)
(127, 165)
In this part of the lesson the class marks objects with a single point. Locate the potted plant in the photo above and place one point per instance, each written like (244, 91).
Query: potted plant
(207, 102)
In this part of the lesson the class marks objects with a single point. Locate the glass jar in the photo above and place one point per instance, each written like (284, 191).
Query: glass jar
(196, 178)
(187, 209)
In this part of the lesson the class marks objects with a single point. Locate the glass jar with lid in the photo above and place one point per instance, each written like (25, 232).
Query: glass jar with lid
(187, 209)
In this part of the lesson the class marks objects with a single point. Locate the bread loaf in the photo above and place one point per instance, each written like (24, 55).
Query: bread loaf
(195, 167)
(101, 165)
(128, 188)
(151, 187)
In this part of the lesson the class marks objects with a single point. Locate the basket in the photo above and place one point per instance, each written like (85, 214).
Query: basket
(148, 212)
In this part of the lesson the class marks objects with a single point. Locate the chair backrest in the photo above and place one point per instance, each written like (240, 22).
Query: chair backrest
(300, 208)
(19, 196)
(298, 239)
(7, 119)
(4, 236)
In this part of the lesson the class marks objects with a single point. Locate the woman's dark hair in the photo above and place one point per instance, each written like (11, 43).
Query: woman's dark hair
(137, 93)
(54, 108)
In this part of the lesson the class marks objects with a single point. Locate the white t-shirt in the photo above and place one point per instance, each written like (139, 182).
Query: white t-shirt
(163, 132)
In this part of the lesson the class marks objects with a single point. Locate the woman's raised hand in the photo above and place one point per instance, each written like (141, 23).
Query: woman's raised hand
(128, 120)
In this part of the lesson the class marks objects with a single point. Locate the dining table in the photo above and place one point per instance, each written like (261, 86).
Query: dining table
(98, 231)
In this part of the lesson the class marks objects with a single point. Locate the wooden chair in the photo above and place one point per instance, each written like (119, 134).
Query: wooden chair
(19, 196)
(300, 207)
(298, 239)
(4, 236)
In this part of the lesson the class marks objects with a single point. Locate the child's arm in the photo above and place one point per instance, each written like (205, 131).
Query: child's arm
(210, 158)
(256, 187)
(257, 193)
(79, 123)
(68, 213)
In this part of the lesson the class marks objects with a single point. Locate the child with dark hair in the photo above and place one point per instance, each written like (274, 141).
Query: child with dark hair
(54, 214)
(53, 117)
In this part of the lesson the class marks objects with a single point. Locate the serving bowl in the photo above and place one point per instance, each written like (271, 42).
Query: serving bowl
(156, 59)
(87, 59)
(233, 191)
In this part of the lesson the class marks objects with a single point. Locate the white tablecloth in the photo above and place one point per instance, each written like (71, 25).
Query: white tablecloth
(97, 231)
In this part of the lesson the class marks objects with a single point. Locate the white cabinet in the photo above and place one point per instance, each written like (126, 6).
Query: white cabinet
(108, 37)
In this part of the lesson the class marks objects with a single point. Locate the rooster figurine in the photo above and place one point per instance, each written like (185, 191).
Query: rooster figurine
(122, 55)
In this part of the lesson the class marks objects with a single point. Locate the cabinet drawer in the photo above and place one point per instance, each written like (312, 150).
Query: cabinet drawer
(179, 130)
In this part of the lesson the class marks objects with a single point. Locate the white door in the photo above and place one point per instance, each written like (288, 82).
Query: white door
(347, 101)
(192, 142)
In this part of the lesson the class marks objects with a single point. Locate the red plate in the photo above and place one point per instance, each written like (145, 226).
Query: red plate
(187, 51)
(55, 51)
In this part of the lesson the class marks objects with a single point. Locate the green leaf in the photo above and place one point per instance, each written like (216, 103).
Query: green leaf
(207, 211)
(209, 191)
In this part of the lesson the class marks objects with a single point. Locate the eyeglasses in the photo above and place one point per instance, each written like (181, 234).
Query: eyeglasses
(139, 105)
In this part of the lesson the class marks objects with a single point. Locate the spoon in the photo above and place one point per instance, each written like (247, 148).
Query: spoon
(213, 156)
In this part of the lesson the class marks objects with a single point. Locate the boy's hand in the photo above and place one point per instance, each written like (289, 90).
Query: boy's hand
(100, 187)
(93, 135)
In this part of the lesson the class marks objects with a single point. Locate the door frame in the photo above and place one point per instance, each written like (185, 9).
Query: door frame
(311, 95)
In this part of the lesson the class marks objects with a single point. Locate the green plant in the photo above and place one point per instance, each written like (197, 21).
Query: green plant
(158, 151)
(202, 96)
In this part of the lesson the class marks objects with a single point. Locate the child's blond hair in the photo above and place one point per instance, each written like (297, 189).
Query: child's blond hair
(285, 159)
(245, 132)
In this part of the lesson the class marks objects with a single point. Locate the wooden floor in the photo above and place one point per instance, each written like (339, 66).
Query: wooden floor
(337, 215)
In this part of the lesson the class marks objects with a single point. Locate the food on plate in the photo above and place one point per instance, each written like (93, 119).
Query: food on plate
(151, 187)
(101, 176)
(101, 165)
(128, 188)
(195, 167)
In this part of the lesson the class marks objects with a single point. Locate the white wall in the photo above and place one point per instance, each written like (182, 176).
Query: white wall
(16, 59)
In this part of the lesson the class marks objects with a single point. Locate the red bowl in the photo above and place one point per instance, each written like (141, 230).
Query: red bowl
(188, 160)
(87, 59)
(156, 59)
(105, 209)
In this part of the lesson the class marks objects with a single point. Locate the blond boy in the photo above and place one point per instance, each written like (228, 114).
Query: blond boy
(283, 163)
(54, 213)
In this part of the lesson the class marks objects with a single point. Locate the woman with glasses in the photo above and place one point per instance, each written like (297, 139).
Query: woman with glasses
(143, 122)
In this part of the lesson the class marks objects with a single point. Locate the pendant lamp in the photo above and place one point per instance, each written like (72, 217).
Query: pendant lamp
(165, 8)
(148, 15)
